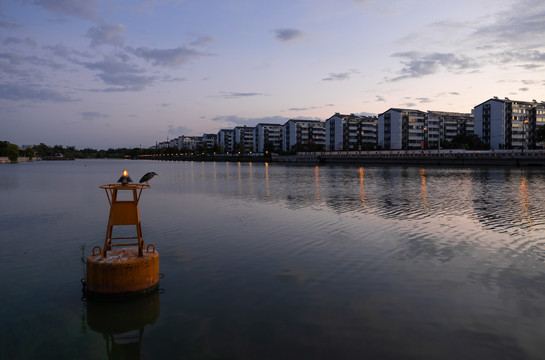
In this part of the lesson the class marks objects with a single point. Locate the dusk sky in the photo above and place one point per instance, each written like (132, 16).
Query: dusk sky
(104, 74)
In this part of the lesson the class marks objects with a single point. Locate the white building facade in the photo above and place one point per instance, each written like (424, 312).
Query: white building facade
(401, 129)
(225, 140)
(243, 139)
(268, 137)
(210, 140)
(303, 135)
(509, 124)
(442, 126)
(350, 132)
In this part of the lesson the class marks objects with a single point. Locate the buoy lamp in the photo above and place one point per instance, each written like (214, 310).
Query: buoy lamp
(125, 265)
(125, 178)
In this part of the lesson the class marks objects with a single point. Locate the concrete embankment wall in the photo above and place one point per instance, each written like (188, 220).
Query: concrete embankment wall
(218, 158)
(5, 160)
(416, 160)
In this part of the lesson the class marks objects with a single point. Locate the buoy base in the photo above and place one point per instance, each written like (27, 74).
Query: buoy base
(123, 272)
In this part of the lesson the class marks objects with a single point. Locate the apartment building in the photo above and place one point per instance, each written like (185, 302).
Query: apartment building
(210, 140)
(243, 138)
(303, 135)
(225, 140)
(509, 124)
(401, 129)
(350, 132)
(441, 126)
(268, 137)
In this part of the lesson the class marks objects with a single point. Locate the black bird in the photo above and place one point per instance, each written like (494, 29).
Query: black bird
(147, 177)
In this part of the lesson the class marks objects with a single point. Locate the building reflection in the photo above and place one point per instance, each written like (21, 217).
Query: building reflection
(121, 321)
(362, 187)
(525, 202)
(497, 198)
(267, 190)
(317, 181)
(423, 189)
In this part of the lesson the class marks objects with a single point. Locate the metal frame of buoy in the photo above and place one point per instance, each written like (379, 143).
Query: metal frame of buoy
(130, 267)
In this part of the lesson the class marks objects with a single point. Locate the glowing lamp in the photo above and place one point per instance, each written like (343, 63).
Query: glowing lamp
(125, 178)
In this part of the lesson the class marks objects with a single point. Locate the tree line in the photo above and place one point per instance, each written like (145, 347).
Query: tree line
(12, 152)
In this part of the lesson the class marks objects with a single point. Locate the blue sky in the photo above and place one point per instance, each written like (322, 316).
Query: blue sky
(129, 73)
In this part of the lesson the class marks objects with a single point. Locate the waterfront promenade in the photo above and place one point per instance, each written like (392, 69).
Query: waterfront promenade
(423, 157)
(383, 157)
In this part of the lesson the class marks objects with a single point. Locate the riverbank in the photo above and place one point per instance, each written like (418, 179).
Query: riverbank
(423, 157)
(217, 157)
(385, 157)
(5, 160)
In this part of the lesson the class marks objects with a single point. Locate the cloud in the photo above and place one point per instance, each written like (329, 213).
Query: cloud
(521, 23)
(418, 65)
(16, 59)
(530, 66)
(12, 58)
(168, 78)
(238, 121)
(530, 82)
(520, 56)
(532, 58)
(30, 41)
(178, 130)
(337, 76)
(424, 100)
(86, 9)
(32, 92)
(454, 93)
(68, 54)
(123, 76)
(236, 95)
(409, 104)
(172, 58)
(340, 76)
(524, 89)
(306, 108)
(284, 34)
(8, 25)
(92, 115)
(106, 34)
(202, 41)
(380, 98)
(366, 114)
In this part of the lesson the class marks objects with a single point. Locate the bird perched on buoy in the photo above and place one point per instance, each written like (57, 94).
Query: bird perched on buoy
(147, 177)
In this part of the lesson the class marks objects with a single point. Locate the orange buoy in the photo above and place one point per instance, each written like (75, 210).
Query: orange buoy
(130, 267)
(123, 271)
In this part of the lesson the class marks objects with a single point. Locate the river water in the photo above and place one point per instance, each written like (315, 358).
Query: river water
(269, 261)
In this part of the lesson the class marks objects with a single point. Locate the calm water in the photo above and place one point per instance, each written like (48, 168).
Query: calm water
(280, 262)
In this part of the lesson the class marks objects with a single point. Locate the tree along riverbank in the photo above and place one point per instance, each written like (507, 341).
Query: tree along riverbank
(5, 160)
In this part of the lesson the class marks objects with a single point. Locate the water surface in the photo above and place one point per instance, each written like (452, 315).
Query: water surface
(272, 261)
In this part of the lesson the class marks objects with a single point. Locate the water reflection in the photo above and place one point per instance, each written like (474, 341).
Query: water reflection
(525, 202)
(423, 189)
(317, 182)
(362, 187)
(121, 322)
(329, 262)
(267, 185)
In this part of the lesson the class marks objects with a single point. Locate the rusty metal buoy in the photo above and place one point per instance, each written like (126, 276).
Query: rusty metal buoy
(130, 267)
